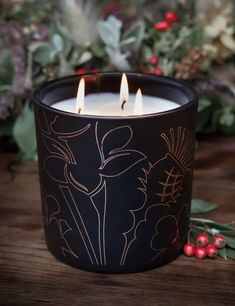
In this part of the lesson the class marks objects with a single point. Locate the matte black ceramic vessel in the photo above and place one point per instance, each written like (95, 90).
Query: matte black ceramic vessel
(116, 191)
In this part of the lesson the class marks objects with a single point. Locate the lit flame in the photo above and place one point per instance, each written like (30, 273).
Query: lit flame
(124, 97)
(124, 91)
(138, 108)
(79, 108)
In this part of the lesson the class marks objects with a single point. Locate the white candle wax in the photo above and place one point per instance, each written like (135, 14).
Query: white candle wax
(107, 104)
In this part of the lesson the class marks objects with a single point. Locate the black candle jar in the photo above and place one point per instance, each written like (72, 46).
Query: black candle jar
(116, 191)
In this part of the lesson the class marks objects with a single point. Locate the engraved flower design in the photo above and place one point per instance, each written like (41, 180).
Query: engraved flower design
(84, 159)
(170, 231)
(59, 226)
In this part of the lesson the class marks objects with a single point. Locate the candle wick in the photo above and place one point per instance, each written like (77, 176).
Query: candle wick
(123, 103)
(79, 110)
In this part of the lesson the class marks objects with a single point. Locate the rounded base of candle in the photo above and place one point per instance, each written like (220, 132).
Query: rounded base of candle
(116, 270)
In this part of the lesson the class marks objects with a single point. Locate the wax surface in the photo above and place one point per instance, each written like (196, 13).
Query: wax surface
(107, 104)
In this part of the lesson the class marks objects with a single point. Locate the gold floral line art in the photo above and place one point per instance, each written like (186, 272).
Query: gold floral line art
(171, 168)
(137, 215)
(101, 214)
(60, 150)
(157, 232)
(62, 224)
(180, 145)
(173, 237)
(172, 187)
(79, 220)
(84, 181)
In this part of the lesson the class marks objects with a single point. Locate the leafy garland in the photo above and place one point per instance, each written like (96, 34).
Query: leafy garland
(40, 41)
(212, 228)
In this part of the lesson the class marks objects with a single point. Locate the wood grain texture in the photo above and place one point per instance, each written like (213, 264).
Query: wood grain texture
(30, 275)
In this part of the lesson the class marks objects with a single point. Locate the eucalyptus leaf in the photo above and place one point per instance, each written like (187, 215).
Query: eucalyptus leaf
(223, 253)
(57, 41)
(203, 104)
(36, 45)
(230, 242)
(85, 57)
(220, 226)
(43, 54)
(24, 133)
(227, 117)
(128, 41)
(67, 46)
(98, 50)
(230, 253)
(199, 206)
(136, 31)
(110, 31)
(118, 59)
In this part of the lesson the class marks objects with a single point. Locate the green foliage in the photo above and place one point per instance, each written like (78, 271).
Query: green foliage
(6, 70)
(199, 206)
(124, 44)
(24, 133)
(43, 53)
(110, 31)
(134, 35)
(214, 228)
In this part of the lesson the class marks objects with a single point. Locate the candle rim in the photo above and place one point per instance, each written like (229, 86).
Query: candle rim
(182, 86)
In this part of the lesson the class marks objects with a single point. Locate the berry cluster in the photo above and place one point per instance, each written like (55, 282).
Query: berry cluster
(203, 247)
(164, 25)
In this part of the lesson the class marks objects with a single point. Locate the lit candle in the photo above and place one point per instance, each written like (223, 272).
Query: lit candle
(106, 104)
(124, 91)
(79, 107)
(118, 177)
(138, 108)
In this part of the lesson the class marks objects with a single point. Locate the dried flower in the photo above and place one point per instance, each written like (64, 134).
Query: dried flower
(16, 41)
(81, 18)
(217, 27)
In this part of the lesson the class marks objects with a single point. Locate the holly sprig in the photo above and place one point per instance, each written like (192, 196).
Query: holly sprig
(211, 228)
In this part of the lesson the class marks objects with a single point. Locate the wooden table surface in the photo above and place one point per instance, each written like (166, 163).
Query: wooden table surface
(30, 275)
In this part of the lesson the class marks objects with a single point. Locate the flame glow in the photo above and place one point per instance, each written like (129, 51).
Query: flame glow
(124, 91)
(79, 108)
(138, 107)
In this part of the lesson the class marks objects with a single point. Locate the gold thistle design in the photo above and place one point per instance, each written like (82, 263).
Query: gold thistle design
(180, 145)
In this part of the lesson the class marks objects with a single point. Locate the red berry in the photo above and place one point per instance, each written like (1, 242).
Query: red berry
(211, 250)
(162, 25)
(219, 242)
(171, 17)
(189, 249)
(157, 71)
(154, 59)
(200, 252)
(81, 71)
(202, 239)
